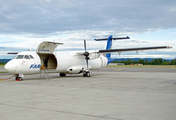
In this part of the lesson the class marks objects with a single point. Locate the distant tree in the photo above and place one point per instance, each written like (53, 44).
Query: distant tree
(134, 62)
(128, 62)
(155, 62)
(173, 62)
(2, 63)
(164, 63)
(123, 61)
(141, 61)
(160, 60)
(146, 62)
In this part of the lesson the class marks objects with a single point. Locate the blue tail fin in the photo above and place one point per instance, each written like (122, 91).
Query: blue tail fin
(109, 45)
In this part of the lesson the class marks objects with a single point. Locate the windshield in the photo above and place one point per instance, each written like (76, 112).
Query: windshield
(19, 56)
(31, 57)
(24, 57)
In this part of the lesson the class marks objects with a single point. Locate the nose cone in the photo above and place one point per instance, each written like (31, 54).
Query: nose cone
(9, 66)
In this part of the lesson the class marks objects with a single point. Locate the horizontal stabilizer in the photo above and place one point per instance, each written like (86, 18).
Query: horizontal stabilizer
(13, 53)
(118, 38)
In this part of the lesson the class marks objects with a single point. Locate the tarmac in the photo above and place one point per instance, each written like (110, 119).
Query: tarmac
(109, 94)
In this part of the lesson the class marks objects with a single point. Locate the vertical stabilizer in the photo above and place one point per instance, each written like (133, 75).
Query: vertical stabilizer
(109, 45)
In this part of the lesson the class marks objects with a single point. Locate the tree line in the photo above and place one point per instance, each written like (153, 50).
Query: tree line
(158, 61)
(2, 63)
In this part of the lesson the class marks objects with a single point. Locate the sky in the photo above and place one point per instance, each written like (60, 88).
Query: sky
(25, 24)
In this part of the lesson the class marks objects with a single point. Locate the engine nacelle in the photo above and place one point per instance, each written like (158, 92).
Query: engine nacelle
(94, 56)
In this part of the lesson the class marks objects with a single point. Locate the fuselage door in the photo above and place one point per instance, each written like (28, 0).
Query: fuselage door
(47, 47)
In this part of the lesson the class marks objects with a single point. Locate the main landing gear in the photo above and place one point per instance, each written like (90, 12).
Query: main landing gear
(86, 74)
(62, 74)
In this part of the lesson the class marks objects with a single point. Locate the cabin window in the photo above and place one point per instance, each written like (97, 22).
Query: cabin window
(26, 57)
(31, 57)
(19, 56)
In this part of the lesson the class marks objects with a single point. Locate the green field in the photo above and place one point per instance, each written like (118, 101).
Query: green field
(142, 66)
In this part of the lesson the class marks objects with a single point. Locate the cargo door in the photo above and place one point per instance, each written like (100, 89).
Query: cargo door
(47, 47)
(45, 51)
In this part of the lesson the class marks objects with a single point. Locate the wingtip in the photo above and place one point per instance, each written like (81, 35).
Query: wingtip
(169, 47)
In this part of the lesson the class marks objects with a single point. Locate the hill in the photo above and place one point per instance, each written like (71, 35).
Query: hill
(4, 60)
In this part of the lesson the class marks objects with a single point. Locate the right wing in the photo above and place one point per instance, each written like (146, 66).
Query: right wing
(132, 49)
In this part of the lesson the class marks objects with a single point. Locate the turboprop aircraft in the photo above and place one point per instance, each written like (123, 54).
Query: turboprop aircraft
(45, 59)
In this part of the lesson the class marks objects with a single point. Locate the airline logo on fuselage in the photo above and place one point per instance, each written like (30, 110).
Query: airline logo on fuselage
(35, 66)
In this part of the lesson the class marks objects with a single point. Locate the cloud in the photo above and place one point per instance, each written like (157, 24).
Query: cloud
(25, 24)
(52, 16)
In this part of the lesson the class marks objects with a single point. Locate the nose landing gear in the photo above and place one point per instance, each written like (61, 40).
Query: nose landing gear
(19, 77)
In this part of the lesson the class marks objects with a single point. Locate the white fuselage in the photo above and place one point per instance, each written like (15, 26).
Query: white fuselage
(67, 63)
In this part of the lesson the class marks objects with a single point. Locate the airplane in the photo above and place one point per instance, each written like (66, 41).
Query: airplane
(77, 62)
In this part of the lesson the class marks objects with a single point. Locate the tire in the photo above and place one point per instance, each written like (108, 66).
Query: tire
(62, 74)
(21, 79)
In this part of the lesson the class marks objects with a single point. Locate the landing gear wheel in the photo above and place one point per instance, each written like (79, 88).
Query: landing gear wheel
(62, 74)
(19, 79)
(86, 74)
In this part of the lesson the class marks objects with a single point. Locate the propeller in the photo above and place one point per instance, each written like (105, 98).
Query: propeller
(86, 53)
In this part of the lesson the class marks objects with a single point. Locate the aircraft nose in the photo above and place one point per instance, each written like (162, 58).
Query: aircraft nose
(9, 66)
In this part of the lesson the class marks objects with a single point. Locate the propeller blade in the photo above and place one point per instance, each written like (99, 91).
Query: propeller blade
(87, 63)
(84, 44)
(86, 54)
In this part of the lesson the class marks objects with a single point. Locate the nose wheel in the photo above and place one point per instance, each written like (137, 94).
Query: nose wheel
(19, 77)
(86, 74)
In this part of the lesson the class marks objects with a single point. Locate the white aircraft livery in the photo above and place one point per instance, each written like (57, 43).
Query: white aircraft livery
(45, 59)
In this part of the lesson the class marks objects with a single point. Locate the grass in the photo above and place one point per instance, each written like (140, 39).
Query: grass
(3, 72)
(142, 66)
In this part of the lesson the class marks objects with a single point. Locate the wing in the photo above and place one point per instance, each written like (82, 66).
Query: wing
(132, 49)
(124, 50)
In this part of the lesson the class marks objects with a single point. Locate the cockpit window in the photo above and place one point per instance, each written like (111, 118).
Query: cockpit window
(19, 56)
(26, 57)
(31, 57)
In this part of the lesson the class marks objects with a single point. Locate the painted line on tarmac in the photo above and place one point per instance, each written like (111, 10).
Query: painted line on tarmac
(118, 70)
(158, 70)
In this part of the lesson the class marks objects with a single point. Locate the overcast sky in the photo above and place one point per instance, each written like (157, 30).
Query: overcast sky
(25, 24)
